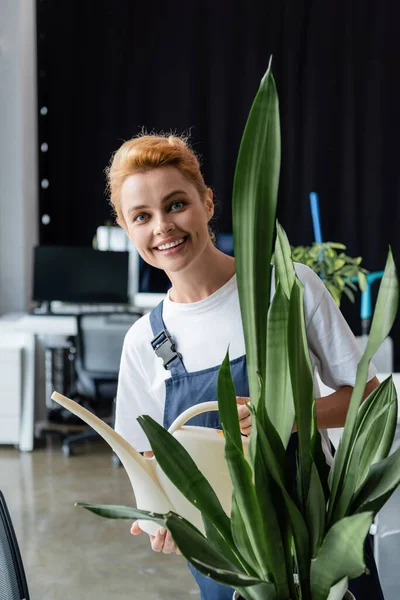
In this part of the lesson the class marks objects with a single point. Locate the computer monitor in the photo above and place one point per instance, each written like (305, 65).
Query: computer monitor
(81, 275)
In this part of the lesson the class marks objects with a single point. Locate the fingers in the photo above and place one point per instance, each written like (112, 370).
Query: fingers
(242, 400)
(135, 529)
(163, 542)
(245, 421)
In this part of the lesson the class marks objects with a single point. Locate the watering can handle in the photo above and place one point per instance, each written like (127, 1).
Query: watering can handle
(193, 411)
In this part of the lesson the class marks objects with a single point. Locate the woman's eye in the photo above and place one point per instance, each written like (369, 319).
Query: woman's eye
(140, 218)
(177, 205)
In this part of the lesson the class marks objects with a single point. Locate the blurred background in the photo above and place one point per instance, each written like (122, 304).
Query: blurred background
(79, 78)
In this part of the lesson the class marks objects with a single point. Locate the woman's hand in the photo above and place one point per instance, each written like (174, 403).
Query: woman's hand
(245, 421)
(161, 542)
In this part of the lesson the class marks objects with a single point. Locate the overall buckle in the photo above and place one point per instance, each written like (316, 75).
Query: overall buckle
(164, 347)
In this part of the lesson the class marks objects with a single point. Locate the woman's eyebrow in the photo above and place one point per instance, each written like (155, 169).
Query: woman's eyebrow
(164, 199)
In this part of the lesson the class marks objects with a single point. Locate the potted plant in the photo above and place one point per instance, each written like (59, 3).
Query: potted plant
(281, 541)
(338, 270)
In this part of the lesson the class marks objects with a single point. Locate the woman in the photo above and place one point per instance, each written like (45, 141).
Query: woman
(160, 199)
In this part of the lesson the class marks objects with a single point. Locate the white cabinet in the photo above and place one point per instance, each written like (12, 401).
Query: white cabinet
(10, 394)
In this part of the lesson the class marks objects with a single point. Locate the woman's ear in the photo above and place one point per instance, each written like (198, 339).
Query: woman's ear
(209, 202)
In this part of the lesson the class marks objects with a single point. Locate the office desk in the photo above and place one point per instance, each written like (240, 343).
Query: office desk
(29, 334)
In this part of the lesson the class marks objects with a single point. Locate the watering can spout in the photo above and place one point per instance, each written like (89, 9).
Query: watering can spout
(141, 471)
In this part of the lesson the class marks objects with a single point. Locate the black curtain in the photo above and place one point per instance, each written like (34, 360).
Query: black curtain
(107, 69)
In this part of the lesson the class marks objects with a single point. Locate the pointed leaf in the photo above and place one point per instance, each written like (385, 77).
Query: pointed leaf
(113, 511)
(302, 383)
(384, 315)
(230, 552)
(341, 554)
(283, 261)
(276, 523)
(315, 511)
(202, 555)
(382, 480)
(381, 404)
(254, 202)
(278, 387)
(181, 469)
(243, 486)
(227, 405)
(299, 529)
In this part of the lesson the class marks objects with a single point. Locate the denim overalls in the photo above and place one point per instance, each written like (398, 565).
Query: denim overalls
(184, 390)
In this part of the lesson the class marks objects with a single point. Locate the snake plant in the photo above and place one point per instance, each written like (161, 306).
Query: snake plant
(316, 527)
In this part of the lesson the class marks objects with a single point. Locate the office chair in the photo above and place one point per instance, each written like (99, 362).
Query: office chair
(98, 353)
(13, 584)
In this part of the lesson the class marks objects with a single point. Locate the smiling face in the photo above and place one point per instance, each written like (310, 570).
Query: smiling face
(166, 218)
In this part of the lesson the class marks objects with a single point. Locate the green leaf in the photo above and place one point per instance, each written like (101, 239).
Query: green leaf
(384, 315)
(362, 281)
(381, 404)
(278, 387)
(382, 480)
(302, 384)
(341, 554)
(337, 245)
(113, 511)
(283, 261)
(274, 512)
(315, 510)
(183, 472)
(349, 294)
(240, 537)
(254, 202)
(202, 555)
(235, 556)
(246, 500)
(227, 405)
(299, 529)
(371, 435)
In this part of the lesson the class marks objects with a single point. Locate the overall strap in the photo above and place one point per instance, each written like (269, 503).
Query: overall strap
(163, 344)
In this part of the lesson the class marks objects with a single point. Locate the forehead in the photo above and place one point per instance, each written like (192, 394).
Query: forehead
(154, 184)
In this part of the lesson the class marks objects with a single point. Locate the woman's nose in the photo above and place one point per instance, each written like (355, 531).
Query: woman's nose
(163, 226)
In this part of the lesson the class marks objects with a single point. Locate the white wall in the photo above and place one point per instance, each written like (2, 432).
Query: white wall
(18, 152)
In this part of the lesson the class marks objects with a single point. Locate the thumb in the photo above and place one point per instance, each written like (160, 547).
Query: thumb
(135, 529)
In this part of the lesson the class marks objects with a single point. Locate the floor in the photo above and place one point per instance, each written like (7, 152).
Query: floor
(71, 554)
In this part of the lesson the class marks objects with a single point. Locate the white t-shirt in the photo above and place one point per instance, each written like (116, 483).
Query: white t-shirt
(202, 332)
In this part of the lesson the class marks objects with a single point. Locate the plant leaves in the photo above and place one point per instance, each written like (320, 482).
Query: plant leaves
(370, 432)
(382, 480)
(381, 404)
(384, 315)
(283, 261)
(302, 384)
(278, 387)
(315, 510)
(183, 472)
(203, 556)
(227, 404)
(341, 554)
(299, 529)
(114, 511)
(246, 501)
(255, 191)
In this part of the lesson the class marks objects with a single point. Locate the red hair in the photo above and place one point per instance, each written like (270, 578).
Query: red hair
(147, 152)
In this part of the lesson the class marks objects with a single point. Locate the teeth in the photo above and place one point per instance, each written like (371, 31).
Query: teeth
(171, 245)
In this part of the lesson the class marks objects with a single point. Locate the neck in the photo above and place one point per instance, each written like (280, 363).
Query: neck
(209, 273)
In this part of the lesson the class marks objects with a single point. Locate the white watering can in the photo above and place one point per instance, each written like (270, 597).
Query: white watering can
(152, 488)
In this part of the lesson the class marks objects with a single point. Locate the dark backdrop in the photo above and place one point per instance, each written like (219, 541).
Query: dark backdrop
(107, 69)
